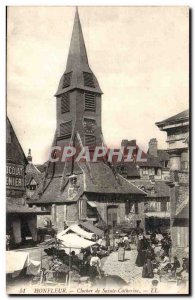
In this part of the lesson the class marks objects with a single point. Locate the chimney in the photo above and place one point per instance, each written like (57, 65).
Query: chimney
(124, 143)
(127, 143)
(29, 157)
(153, 146)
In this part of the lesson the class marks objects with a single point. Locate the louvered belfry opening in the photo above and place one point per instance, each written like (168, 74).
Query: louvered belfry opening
(90, 101)
(65, 103)
(90, 140)
(66, 129)
(88, 79)
(67, 80)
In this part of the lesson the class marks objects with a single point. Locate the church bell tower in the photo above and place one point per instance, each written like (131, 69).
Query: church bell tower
(78, 98)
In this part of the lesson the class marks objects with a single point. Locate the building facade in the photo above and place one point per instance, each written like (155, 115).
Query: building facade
(177, 129)
(21, 220)
(152, 176)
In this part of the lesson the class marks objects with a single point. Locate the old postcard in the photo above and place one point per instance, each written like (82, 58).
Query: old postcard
(97, 166)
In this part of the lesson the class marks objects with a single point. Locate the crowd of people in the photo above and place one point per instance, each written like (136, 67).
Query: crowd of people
(154, 256)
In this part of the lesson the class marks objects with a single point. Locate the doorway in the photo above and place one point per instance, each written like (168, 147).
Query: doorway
(112, 216)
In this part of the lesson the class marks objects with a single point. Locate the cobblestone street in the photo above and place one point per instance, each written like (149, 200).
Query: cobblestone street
(127, 269)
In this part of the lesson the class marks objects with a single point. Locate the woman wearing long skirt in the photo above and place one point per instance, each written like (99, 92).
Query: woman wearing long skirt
(140, 252)
(147, 267)
(121, 250)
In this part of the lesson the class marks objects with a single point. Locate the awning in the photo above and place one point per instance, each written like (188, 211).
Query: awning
(78, 230)
(74, 241)
(89, 226)
(92, 203)
(16, 261)
(158, 214)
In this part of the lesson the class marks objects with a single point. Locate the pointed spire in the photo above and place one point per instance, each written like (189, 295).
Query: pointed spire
(77, 56)
(77, 62)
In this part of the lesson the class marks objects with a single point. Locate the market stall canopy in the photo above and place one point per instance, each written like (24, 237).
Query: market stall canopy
(89, 226)
(78, 230)
(74, 241)
(17, 261)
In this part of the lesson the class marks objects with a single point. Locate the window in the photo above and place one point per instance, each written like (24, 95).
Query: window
(145, 171)
(66, 129)
(163, 206)
(151, 171)
(33, 187)
(131, 207)
(88, 79)
(65, 103)
(66, 80)
(90, 140)
(90, 103)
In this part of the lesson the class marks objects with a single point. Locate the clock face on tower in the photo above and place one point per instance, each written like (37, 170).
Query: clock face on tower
(89, 125)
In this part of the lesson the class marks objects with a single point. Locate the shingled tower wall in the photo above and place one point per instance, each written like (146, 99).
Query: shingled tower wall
(78, 98)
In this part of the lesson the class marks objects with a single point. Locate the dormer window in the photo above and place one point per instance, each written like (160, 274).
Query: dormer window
(90, 101)
(88, 79)
(66, 80)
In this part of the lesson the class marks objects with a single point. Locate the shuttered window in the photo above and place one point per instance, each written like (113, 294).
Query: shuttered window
(89, 140)
(90, 101)
(88, 79)
(65, 103)
(66, 129)
(67, 80)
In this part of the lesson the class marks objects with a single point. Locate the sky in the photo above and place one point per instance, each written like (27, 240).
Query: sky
(140, 56)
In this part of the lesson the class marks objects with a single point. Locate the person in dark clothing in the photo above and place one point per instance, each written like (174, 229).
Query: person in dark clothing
(141, 251)
(166, 244)
(153, 239)
(147, 267)
(175, 265)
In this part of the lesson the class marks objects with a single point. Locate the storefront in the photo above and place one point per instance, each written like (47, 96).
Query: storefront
(21, 220)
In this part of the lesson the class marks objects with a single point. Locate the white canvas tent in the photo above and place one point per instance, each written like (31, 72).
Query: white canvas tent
(74, 242)
(16, 261)
(78, 230)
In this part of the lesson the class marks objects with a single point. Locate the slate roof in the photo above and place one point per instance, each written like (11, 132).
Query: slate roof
(182, 116)
(77, 62)
(152, 161)
(14, 151)
(127, 169)
(41, 167)
(97, 178)
(32, 173)
(104, 181)
(12, 208)
(161, 188)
